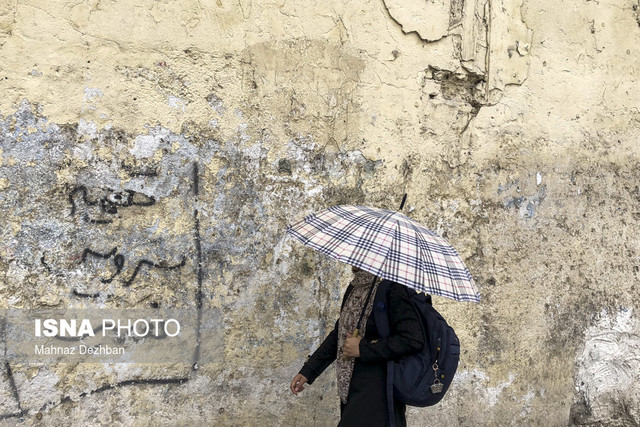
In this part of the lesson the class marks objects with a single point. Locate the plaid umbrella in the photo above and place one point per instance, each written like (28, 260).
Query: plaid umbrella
(389, 245)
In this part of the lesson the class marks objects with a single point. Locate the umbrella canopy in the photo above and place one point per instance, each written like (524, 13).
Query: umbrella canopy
(389, 245)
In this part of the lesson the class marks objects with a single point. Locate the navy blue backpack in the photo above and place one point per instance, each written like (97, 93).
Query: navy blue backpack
(421, 379)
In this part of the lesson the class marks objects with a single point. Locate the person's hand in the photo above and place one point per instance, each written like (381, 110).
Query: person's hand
(352, 347)
(297, 383)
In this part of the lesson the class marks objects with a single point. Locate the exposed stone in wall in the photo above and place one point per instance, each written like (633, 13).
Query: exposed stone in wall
(153, 154)
(608, 372)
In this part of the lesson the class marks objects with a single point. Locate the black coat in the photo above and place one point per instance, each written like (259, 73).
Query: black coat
(367, 401)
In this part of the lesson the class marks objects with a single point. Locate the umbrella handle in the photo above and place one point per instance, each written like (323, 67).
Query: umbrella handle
(356, 334)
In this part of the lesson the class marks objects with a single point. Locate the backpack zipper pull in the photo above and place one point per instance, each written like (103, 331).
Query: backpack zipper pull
(437, 386)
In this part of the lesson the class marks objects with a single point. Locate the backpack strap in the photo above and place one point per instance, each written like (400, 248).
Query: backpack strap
(381, 316)
(392, 414)
(381, 309)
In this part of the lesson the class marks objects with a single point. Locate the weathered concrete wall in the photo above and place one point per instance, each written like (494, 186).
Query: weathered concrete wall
(152, 152)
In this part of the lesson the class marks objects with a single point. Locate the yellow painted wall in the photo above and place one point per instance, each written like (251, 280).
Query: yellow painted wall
(513, 127)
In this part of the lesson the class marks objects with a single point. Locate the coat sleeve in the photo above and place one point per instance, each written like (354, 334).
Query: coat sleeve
(325, 354)
(322, 357)
(405, 331)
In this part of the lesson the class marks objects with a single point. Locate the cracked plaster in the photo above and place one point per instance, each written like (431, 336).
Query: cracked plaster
(511, 127)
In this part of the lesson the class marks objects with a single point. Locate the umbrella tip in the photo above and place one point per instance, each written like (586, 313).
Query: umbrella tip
(404, 199)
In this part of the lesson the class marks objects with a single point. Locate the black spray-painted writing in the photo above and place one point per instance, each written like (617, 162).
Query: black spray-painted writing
(119, 259)
(110, 203)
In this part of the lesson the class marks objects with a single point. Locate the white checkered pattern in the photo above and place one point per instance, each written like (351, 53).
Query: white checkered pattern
(389, 245)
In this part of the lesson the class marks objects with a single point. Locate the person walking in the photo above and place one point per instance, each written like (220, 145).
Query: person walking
(361, 361)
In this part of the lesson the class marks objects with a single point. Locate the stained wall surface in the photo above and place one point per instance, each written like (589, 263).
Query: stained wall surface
(152, 153)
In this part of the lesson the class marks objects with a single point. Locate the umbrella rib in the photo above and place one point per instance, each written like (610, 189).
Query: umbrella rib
(355, 256)
(347, 232)
(451, 267)
(426, 254)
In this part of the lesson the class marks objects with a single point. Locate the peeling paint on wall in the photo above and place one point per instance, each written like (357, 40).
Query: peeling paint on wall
(491, 40)
(429, 19)
(153, 155)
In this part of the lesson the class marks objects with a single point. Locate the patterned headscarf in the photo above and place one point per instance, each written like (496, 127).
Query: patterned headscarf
(348, 323)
